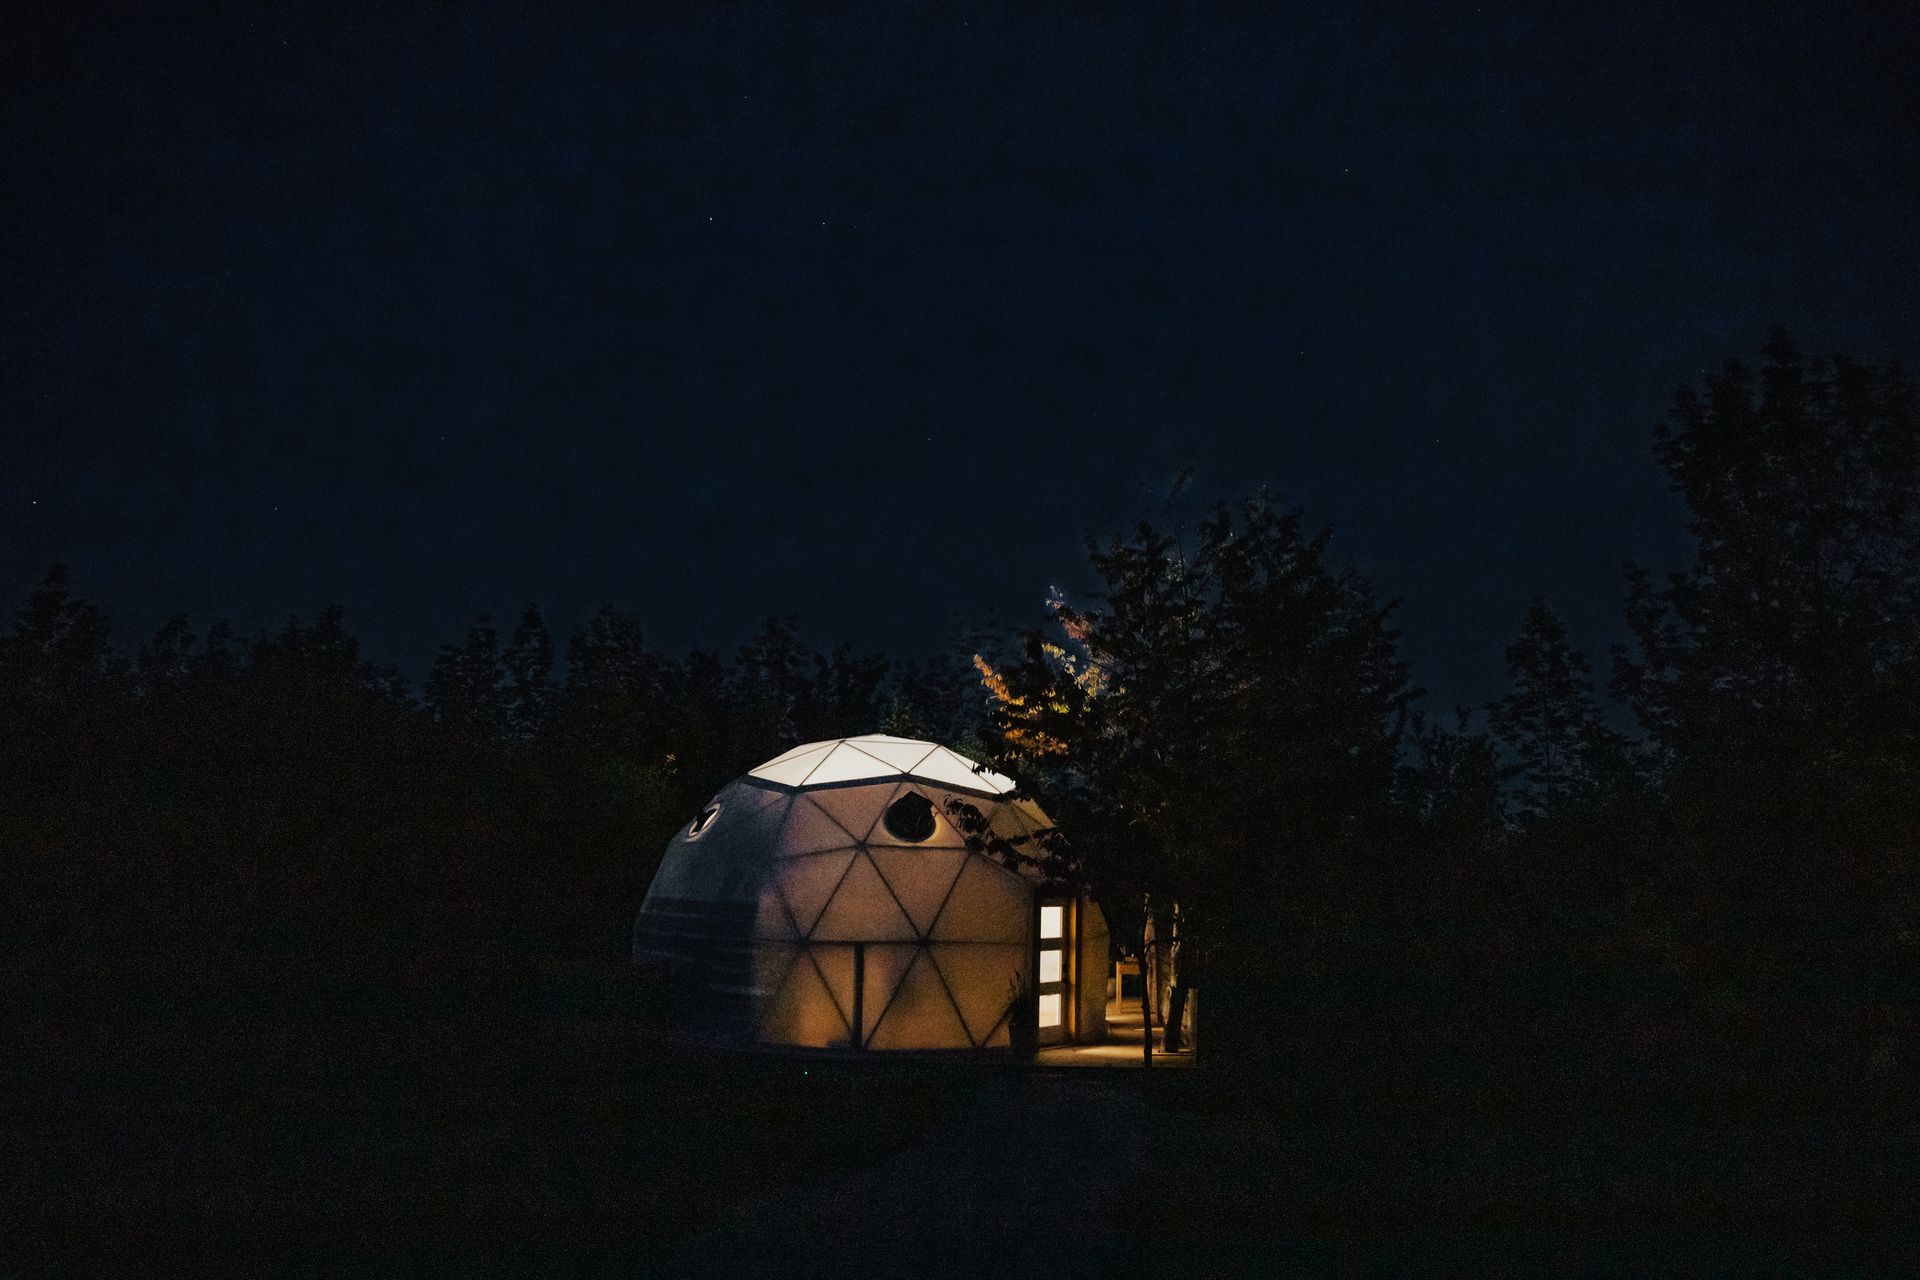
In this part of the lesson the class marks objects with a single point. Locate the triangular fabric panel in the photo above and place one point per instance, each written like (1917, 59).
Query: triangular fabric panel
(987, 904)
(808, 829)
(1031, 814)
(920, 1015)
(770, 964)
(901, 753)
(747, 817)
(879, 799)
(758, 798)
(855, 808)
(919, 878)
(848, 764)
(1008, 824)
(724, 863)
(886, 962)
(802, 1012)
(954, 809)
(862, 909)
(1010, 827)
(676, 877)
(944, 766)
(742, 814)
(833, 761)
(796, 750)
(774, 922)
(945, 834)
(807, 883)
(983, 778)
(791, 770)
(835, 962)
(982, 979)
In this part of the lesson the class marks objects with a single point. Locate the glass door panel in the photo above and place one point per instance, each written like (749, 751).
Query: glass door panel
(1053, 971)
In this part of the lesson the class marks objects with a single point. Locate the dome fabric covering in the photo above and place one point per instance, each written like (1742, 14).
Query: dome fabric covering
(802, 908)
(875, 756)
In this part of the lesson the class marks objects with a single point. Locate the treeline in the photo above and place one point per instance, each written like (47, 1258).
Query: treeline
(276, 826)
(1705, 863)
(1705, 851)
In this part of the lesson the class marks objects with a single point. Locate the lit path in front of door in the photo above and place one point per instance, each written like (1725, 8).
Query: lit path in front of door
(1038, 1172)
(1120, 1049)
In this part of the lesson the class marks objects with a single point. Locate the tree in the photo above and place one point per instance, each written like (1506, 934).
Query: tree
(772, 682)
(59, 652)
(845, 697)
(1450, 784)
(1219, 730)
(1779, 675)
(1456, 878)
(166, 662)
(941, 699)
(706, 732)
(466, 688)
(1799, 623)
(1563, 753)
(322, 654)
(528, 662)
(614, 694)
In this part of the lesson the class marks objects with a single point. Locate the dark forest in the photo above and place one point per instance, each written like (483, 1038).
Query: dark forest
(1679, 880)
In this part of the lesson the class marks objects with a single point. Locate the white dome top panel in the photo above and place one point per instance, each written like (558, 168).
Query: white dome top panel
(875, 757)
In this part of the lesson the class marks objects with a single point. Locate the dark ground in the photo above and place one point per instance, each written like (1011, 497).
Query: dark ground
(562, 1147)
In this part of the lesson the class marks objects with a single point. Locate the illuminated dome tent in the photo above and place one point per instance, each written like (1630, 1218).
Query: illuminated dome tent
(828, 899)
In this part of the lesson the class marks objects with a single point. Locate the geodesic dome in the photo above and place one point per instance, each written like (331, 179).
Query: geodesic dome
(828, 899)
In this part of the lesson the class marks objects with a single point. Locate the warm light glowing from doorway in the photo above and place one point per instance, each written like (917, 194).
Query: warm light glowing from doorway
(1053, 922)
(1049, 966)
(1050, 1010)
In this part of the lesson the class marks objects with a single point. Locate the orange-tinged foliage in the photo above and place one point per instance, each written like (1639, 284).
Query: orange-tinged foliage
(1019, 716)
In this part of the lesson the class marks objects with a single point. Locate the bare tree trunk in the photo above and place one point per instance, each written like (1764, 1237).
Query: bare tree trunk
(1186, 967)
(1146, 985)
(1176, 1010)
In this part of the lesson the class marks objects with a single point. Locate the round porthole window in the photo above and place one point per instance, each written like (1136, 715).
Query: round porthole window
(704, 821)
(910, 818)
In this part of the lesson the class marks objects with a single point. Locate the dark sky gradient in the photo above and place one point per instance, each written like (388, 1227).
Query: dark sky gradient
(710, 315)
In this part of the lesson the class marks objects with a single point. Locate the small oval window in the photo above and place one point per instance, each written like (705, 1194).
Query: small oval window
(704, 821)
(910, 817)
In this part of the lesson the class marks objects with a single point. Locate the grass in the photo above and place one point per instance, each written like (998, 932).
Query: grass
(539, 1146)
(378, 1139)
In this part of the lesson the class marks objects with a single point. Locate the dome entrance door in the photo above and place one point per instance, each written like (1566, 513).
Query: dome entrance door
(1053, 969)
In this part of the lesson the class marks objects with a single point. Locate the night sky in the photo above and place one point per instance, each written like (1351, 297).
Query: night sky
(713, 314)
